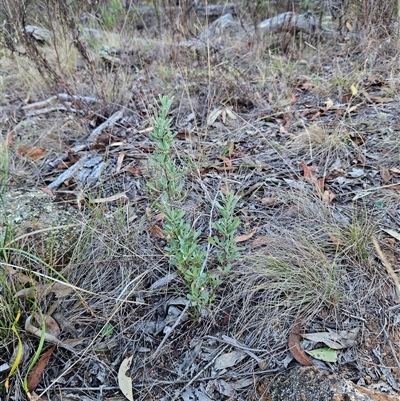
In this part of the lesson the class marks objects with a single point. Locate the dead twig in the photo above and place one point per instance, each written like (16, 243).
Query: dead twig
(61, 96)
(387, 265)
(107, 124)
(390, 345)
(195, 378)
(236, 344)
(157, 351)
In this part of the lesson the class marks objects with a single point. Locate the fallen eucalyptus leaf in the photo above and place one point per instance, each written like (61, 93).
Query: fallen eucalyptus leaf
(392, 233)
(228, 360)
(324, 354)
(36, 373)
(335, 340)
(125, 382)
(295, 346)
(30, 328)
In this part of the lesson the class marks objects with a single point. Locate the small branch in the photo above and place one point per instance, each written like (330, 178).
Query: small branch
(391, 346)
(46, 110)
(289, 21)
(107, 124)
(61, 96)
(195, 378)
(67, 174)
(157, 351)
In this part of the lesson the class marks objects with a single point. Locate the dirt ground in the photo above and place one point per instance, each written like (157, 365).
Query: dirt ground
(304, 130)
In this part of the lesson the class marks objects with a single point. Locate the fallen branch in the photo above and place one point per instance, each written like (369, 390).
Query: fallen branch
(46, 110)
(226, 25)
(61, 96)
(288, 22)
(53, 104)
(67, 174)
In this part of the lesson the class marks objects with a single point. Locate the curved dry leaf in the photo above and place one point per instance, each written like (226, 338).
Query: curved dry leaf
(329, 104)
(393, 233)
(309, 172)
(125, 382)
(328, 197)
(213, 116)
(157, 231)
(29, 292)
(59, 289)
(260, 241)
(295, 347)
(36, 373)
(23, 278)
(230, 113)
(385, 174)
(335, 339)
(111, 198)
(30, 328)
(52, 326)
(228, 360)
(245, 237)
(34, 397)
(378, 99)
(31, 153)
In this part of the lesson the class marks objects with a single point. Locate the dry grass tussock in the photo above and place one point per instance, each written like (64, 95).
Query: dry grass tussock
(314, 262)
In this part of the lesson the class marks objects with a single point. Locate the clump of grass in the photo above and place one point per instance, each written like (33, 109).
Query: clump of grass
(4, 164)
(111, 13)
(317, 140)
(294, 273)
(353, 238)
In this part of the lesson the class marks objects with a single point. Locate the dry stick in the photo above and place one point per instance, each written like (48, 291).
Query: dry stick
(107, 124)
(67, 174)
(386, 263)
(199, 373)
(60, 96)
(100, 388)
(390, 345)
(207, 378)
(46, 110)
(157, 351)
(236, 344)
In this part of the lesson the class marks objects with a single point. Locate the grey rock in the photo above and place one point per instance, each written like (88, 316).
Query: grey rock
(313, 384)
(32, 221)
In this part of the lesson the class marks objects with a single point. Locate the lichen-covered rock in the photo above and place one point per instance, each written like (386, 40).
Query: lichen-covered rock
(32, 221)
(314, 384)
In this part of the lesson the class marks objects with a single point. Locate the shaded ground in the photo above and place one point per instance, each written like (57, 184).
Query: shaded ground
(308, 139)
